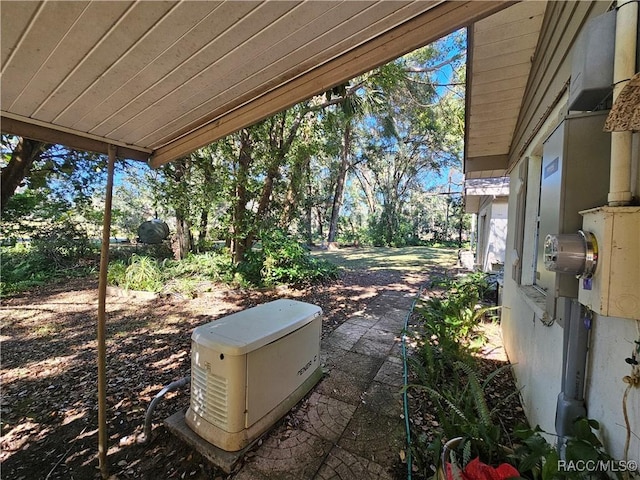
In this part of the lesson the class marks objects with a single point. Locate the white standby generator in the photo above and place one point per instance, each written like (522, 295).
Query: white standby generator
(250, 368)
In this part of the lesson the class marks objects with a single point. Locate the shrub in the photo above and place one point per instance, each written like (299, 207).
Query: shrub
(535, 458)
(59, 250)
(21, 269)
(280, 260)
(116, 273)
(450, 327)
(283, 260)
(62, 244)
(446, 370)
(187, 287)
(463, 412)
(213, 266)
(142, 273)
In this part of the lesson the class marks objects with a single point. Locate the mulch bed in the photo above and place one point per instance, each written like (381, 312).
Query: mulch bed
(49, 384)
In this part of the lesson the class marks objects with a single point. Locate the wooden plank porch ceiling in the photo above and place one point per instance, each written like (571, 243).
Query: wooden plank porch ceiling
(500, 58)
(160, 79)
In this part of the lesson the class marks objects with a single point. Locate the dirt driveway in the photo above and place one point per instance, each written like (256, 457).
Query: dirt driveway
(49, 372)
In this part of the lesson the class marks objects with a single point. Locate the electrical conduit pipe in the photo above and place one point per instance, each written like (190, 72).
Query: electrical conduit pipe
(624, 67)
(571, 404)
(146, 436)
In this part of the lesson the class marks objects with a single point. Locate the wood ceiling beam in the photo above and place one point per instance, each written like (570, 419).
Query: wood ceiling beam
(435, 23)
(45, 133)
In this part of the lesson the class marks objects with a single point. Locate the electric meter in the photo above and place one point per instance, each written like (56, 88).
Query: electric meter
(575, 253)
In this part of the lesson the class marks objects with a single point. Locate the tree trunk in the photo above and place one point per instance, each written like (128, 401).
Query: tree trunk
(390, 224)
(239, 227)
(320, 215)
(183, 243)
(26, 152)
(368, 191)
(267, 188)
(184, 240)
(342, 175)
(308, 204)
(293, 195)
(280, 143)
(446, 223)
(263, 205)
(202, 234)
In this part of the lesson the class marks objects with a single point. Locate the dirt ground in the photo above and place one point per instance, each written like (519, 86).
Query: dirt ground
(49, 372)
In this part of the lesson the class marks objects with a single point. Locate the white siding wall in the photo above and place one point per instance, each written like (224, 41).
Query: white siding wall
(497, 233)
(535, 349)
(492, 232)
(611, 343)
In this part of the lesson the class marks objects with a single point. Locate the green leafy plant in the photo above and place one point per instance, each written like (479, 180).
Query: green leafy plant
(447, 370)
(535, 458)
(463, 411)
(62, 244)
(450, 327)
(21, 269)
(116, 273)
(187, 287)
(459, 308)
(283, 260)
(213, 266)
(142, 273)
(279, 260)
(57, 250)
(482, 432)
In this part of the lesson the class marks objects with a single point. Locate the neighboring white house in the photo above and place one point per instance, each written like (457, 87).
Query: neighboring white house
(540, 89)
(488, 198)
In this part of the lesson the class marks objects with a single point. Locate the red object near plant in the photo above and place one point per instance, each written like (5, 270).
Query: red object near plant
(476, 470)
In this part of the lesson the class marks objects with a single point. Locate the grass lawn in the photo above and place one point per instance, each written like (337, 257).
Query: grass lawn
(405, 259)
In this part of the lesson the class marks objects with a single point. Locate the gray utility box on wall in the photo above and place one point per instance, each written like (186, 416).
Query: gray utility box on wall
(574, 177)
(592, 63)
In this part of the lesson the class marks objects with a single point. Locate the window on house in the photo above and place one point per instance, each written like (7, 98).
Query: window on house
(527, 220)
(521, 205)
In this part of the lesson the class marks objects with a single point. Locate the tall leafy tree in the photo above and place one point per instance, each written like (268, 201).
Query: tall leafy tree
(193, 189)
(41, 183)
(420, 135)
(255, 172)
(412, 129)
(365, 96)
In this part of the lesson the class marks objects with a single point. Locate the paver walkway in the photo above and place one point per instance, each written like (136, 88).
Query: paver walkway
(351, 427)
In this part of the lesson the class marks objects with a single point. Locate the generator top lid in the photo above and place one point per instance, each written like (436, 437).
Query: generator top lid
(248, 330)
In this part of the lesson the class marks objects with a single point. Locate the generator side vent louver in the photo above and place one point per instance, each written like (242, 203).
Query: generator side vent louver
(209, 396)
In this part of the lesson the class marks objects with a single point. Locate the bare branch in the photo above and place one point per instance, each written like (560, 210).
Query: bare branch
(438, 66)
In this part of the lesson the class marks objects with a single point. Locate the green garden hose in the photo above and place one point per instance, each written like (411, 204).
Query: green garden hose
(405, 399)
